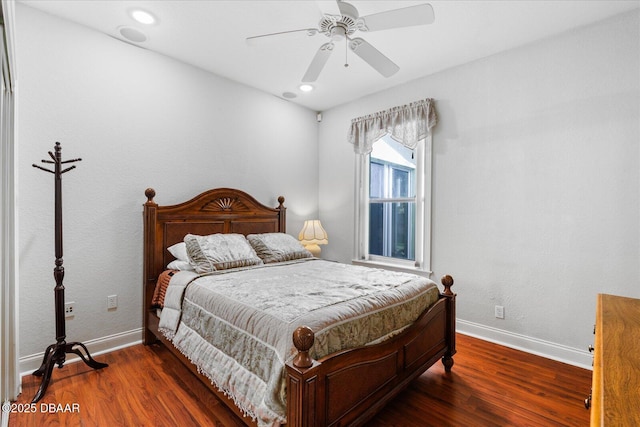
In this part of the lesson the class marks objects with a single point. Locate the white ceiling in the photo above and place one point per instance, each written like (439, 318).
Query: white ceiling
(211, 34)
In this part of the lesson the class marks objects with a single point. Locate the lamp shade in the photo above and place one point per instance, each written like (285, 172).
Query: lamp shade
(312, 235)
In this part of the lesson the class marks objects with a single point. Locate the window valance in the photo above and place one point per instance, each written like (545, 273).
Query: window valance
(407, 124)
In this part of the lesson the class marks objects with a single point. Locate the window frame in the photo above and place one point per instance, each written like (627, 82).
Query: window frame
(422, 263)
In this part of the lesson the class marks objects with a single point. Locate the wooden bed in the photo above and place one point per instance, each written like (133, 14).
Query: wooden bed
(344, 388)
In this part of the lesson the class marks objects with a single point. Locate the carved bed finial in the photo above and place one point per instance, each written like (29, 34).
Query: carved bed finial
(447, 282)
(150, 193)
(280, 201)
(303, 338)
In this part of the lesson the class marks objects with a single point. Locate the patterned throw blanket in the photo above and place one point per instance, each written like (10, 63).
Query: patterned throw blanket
(161, 288)
(236, 325)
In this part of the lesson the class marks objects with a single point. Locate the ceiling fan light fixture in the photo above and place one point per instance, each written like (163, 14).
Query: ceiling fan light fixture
(306, 87)
(338, 33)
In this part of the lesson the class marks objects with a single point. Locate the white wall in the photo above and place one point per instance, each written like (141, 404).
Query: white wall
(138, 120)
(536, 183)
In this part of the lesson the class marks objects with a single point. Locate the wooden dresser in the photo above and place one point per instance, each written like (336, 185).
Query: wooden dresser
(615, 399)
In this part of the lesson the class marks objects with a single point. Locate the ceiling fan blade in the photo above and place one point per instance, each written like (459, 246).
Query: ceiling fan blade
(373, 57)
(406, 17)
(318, 62)
(328, 7)
(253, 39)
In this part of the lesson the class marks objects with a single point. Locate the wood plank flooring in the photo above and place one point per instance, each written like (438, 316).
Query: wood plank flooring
(490, 385)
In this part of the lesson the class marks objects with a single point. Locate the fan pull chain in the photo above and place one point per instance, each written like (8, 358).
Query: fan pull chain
(346, 50)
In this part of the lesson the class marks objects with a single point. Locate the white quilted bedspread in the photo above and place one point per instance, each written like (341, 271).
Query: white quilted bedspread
(236, 325)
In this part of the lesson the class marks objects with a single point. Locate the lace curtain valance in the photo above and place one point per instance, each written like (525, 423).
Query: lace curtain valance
(407, 124)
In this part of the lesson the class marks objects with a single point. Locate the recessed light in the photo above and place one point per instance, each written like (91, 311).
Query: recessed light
(143, 16)
(305, 88)
(132, 34)
(289, 95)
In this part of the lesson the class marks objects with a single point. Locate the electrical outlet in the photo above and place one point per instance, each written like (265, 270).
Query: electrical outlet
(499, 311)
(112, 302)
(69, 310)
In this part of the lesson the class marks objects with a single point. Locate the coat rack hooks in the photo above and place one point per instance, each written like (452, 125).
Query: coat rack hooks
(56, 353)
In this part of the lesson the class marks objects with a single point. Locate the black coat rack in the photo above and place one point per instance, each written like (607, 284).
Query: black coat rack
(56, 353)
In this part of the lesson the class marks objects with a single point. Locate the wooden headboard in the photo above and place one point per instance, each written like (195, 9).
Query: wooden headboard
(221, 210)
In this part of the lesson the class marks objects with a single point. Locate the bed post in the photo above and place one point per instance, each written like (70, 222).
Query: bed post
(149, 261)
(303, 389)
(450, 334)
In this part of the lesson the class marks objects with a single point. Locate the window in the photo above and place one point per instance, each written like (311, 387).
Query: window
(392, 200)
(393, 186)
(393, 209)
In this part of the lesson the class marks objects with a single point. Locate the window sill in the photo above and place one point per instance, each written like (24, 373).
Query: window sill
(392, 267)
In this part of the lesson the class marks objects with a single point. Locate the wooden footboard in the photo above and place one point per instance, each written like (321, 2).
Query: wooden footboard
(350, 387)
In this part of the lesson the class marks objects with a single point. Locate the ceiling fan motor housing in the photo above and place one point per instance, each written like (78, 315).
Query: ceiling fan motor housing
(339, 27)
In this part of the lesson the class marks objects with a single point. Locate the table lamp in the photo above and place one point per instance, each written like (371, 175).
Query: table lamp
(312, 235)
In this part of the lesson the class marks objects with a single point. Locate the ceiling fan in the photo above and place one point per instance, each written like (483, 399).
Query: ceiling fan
(340, 20)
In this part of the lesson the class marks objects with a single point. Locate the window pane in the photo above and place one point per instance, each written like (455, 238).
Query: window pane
(402, 223)
(400, 183)
(376, 229)
(389, 151)
(376, 180)
(391, 229)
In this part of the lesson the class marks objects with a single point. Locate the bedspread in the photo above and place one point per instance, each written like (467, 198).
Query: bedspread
(236, 326)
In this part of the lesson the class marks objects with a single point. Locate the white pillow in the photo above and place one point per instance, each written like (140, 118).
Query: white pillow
(179, 251)
(177, 264)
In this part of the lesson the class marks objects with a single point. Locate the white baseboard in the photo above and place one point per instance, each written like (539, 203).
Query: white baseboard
(550, 350)
(96, 347)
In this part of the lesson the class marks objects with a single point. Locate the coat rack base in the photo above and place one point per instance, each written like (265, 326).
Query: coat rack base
(57, 354)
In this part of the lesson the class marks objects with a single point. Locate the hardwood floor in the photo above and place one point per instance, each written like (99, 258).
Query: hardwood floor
(490, 385)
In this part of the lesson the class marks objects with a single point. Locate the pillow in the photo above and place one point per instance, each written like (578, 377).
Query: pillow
(277, 247)
(219, 252)
(179, 251)
(177, 264)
